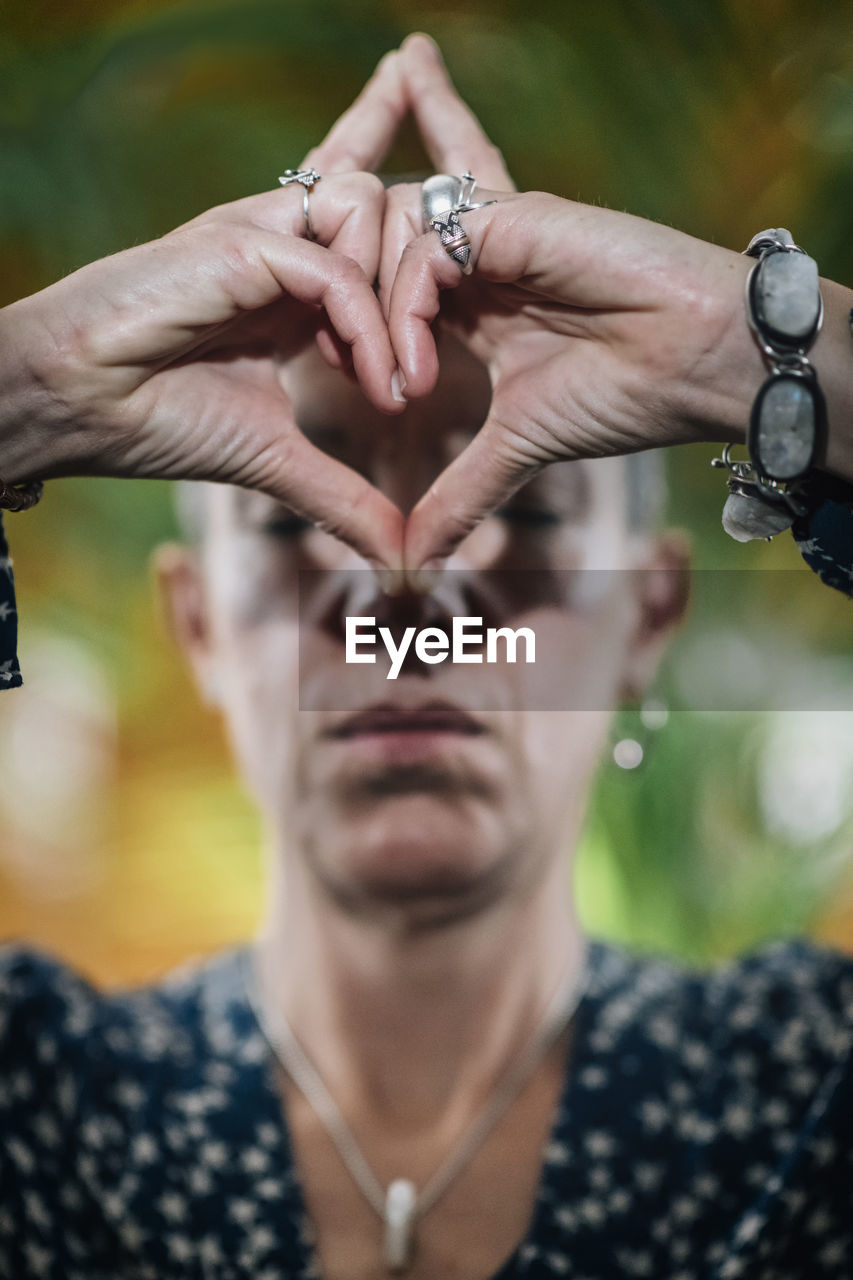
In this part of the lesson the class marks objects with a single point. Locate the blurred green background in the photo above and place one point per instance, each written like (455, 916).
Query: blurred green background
(125, 843)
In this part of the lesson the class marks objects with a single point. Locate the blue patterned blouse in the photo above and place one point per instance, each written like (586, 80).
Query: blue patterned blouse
(705, 1130)
(10, 672)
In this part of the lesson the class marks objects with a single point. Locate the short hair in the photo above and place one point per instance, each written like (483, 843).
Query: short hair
(645, 490)
(190, 505)
(645, 497)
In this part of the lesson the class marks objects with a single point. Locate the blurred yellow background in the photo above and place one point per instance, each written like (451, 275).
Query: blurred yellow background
(126, 845)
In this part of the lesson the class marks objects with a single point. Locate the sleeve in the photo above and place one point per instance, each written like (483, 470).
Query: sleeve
(10, 672)
(44, 1009)
(824, 536)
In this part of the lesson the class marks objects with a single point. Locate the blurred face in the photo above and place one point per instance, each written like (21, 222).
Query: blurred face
(452, 785)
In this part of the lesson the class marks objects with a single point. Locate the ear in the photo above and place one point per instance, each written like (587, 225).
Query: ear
(661, 581)
(176, 569)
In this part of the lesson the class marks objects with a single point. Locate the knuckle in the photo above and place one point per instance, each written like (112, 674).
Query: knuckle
(332, 162)
(345, 269)
(373, 187)
(395, 194)
(417, 250)
(364, 187)
(233, 253)
(231, 245)
(399, 195)
(412, 256)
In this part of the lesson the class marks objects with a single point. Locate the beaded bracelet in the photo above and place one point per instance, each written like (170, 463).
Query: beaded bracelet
(18, 497)
(787, 428)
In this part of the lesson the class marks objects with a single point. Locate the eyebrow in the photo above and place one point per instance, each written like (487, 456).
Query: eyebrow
(335, 440)
(569, 491)
(322, 432)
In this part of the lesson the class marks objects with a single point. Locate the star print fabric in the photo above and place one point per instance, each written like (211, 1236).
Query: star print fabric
(825, 537)
(10, 672)
(705, 1130)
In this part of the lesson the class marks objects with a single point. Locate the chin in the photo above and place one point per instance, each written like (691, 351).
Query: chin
(416, 849)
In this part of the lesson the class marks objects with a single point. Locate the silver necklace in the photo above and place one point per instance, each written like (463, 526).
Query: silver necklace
(401, 1204)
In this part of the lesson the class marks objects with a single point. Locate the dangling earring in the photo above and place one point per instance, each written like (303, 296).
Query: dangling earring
(634, 731)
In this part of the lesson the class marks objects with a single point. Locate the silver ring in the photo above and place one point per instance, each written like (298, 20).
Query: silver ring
(455, 239)
(443, 198)
(467, 183)
(468, 208)
(308, 178)
(438, 194)
(442, 192)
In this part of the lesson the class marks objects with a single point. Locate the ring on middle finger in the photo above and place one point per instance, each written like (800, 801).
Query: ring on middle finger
(307, 178)
(439, 194)
(443, 192)
(443, 198)
(454, 238)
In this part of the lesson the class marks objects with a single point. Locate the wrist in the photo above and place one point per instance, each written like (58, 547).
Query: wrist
(33, 421)
(722, 381)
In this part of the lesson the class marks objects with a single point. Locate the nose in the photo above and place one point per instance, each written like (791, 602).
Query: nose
(328, 597)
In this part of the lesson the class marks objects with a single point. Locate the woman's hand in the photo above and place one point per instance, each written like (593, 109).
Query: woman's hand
(603, 334)
(164, 360)
(411, 80)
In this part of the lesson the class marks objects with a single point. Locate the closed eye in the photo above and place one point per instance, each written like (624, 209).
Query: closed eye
(529, 517)
(289, 526)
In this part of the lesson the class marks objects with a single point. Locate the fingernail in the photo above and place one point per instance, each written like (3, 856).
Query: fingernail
(398, 386)
(425, 579)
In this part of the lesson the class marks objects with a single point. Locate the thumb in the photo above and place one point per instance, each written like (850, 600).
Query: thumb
(337, 499)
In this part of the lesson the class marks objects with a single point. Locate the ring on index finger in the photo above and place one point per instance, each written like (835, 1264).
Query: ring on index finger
(443, 198)
(308, 179)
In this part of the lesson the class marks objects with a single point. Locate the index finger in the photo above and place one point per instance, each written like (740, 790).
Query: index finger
(361, 137)
(453, 136)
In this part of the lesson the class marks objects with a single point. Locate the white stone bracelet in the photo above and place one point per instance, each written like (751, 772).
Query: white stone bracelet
(18, 497)
(785, 310)
(787, 427)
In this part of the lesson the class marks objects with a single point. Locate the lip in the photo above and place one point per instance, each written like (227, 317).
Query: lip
(386, 718)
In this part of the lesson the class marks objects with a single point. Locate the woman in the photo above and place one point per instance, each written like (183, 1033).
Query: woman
(524, 1100)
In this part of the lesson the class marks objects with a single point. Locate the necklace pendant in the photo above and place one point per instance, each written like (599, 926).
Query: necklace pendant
(400, 1207)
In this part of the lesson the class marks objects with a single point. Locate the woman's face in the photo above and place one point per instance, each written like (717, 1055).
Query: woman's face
(453, 783)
